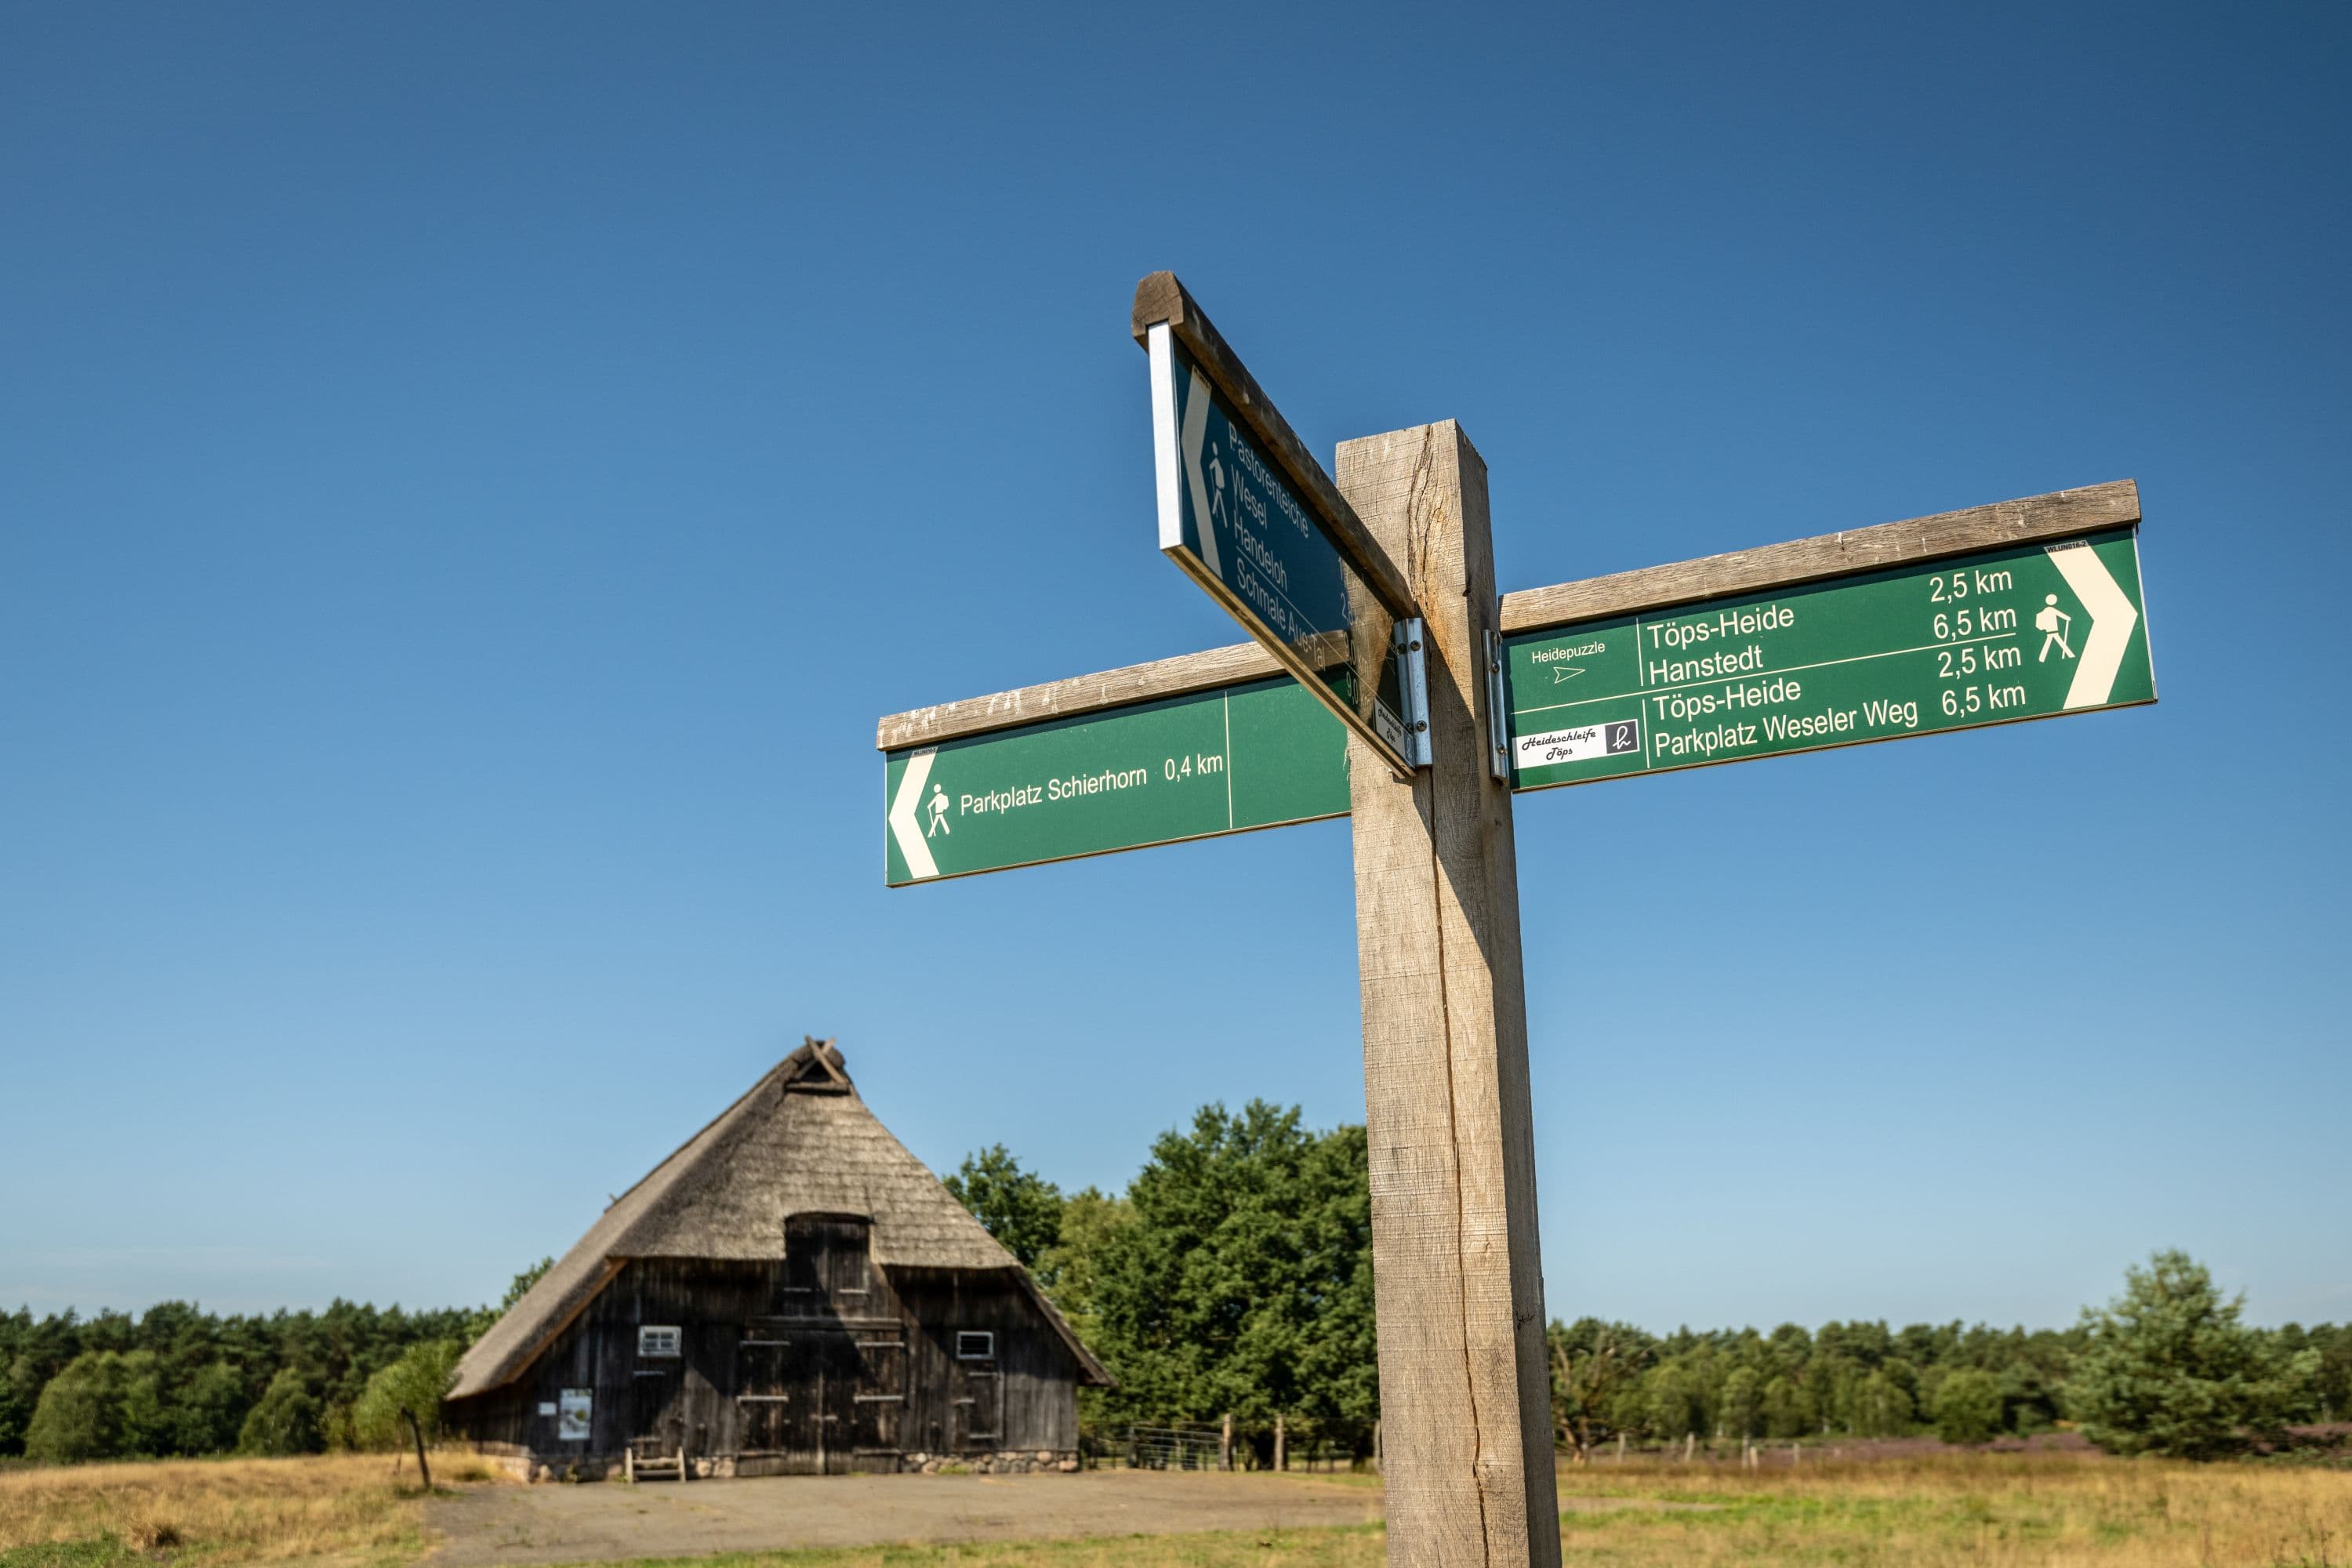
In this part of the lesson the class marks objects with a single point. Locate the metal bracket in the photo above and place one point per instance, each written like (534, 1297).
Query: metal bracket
(1498, 715)
(1413, 686)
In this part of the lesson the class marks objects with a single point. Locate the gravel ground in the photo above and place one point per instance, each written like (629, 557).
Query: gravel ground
(491, 1526)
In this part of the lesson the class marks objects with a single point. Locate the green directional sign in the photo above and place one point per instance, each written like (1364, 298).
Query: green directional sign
(1238, 526)
(1254, 756)
(2026, 632)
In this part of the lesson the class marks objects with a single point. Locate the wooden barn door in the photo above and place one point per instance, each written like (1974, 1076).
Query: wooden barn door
(657, 1427)
(978, 1401)
(842, 1363)
(763, 1393)
(879, 1397)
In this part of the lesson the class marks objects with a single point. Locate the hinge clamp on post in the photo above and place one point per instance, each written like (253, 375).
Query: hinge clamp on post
(1498, 715)
(1409, 641)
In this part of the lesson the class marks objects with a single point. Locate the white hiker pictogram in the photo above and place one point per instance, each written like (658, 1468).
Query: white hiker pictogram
(2054, 622)
(1217, 511)
(938, 808)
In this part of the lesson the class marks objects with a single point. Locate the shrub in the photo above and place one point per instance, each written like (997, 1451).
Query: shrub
(286, 1421)
(102, 1405)
(1968, 1406)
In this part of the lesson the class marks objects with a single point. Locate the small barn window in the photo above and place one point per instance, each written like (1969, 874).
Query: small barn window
(975, 1344)
(658, 1341)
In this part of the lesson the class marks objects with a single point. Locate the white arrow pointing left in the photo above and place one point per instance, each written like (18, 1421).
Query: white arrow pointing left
(903, 825)
(2112, 620)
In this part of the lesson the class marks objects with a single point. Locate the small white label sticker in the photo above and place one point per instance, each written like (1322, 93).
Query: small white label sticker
(1580, 745)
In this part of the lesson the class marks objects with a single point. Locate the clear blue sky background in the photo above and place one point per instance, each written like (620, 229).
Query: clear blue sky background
(470, 478)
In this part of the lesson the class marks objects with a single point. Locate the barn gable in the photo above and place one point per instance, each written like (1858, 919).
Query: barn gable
(799, 1141)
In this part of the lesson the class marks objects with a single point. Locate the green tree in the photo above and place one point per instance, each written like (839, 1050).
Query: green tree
(206, 1411)
(1742, 1403)
(1067, 1271)
(1787, 1409)
(1067, 1268)
(100, 1406)
(1594, 1364)
(1020, 1208)
(1244, 1279)
(405, 1399)
(2029, 1396)
(1672, 1405)
(1882, 1406)
(2170, 1368)
(287, 1418)
(1967, 1405)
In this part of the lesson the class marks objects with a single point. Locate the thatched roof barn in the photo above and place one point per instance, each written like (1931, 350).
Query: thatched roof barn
(791, 1291)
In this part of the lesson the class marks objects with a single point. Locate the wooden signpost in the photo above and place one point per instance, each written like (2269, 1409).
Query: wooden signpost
(2023, 609)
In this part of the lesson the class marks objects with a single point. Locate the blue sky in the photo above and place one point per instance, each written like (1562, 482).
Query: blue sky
(470, 478)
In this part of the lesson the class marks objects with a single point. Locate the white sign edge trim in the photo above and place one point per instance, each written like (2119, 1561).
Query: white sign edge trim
(1176, 455)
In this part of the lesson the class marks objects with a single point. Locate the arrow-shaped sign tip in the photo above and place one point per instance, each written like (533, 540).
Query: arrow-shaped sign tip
(903, 825)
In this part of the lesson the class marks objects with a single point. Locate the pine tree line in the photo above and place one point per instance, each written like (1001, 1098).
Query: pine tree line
(178, 1381)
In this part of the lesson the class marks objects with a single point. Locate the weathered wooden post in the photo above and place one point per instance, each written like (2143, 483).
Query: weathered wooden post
(1457, 1277)
(1225, 1444)
(1281, 1446)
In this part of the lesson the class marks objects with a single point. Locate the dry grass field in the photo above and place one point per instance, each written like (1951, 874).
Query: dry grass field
(1985, 1510)
(342, 1509)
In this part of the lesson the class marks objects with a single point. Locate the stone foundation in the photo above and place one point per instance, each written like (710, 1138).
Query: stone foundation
(1007, 1462)
(599, 1468)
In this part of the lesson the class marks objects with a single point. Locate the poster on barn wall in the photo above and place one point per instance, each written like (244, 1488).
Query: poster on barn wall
(572, 1418)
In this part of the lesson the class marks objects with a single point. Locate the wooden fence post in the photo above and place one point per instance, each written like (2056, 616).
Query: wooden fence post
(1464, 1388)
(1225, 1444)
(1281, 1448)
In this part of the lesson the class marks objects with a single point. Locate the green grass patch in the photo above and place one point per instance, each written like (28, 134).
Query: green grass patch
(97, 1551)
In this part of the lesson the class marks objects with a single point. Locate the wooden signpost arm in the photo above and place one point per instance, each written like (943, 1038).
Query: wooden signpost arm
(2030, 520)
(1078, 695)
(1464, 1389)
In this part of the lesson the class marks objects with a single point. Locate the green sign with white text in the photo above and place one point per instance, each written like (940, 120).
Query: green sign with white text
(2025, 632)
(1254, 756)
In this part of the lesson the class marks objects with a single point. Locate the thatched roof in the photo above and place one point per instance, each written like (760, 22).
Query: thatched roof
(799, 1141)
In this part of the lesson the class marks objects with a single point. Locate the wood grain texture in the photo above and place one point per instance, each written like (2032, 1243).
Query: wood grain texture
(1160, 297)
(2025, 522)
(1080, 694)
(1458, 1273)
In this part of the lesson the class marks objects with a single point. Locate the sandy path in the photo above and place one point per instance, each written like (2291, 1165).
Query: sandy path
(488, 1526)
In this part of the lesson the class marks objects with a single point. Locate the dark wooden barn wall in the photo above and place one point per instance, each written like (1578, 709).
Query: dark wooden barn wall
(822, 1364)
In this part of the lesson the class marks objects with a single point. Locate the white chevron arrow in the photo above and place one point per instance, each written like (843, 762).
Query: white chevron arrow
(2112, 620)
(903, 825)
